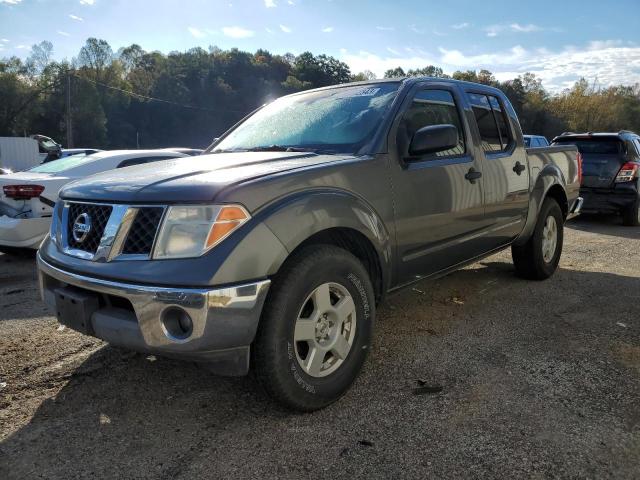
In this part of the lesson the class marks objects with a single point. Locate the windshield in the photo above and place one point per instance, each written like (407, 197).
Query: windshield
(337, 120)
(598, 146)
(57, 166)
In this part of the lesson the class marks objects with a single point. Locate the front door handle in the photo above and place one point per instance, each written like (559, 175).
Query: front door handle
(518, 168)
(473, 175)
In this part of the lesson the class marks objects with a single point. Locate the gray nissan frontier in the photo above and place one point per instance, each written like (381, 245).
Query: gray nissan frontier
(273, 248)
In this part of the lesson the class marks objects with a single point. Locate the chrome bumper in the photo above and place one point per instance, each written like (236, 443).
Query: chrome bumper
(576, 208)
(223, 319)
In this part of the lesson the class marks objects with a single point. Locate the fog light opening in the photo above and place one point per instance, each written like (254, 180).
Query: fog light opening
(177, 323)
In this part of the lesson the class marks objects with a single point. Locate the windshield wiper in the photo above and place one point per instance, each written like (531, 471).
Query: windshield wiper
(280, 148)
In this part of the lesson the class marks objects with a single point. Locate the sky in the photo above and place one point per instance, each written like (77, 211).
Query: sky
(560, 41)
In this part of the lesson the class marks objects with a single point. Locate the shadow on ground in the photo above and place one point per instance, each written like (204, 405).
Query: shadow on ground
(546, 383)
(603, 225)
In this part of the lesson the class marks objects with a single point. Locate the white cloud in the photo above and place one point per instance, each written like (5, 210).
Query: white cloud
(75, 17)
(610, 62)
(64, 34)
(237, 32)
(327, 29)
(495, 30)
(4, 40)
(23, 47)
(270, 4)
(268, 30)
(285, 29)
(516, 27)
(415, 29)
(10, 2)
(460, 26)
(196, 32)
(385, 29)
(87, 2)
(291, 2)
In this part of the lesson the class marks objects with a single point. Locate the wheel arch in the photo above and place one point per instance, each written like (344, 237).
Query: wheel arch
(335, 217)
(550, 183)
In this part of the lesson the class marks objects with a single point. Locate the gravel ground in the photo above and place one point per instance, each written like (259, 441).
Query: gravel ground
(538, 380)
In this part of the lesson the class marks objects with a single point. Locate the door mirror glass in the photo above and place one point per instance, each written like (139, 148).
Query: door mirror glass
(434, 139)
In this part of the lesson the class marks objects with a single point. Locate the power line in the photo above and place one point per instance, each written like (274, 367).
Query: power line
(145, 97)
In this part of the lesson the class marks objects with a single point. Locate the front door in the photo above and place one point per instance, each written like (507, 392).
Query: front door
(438, 197)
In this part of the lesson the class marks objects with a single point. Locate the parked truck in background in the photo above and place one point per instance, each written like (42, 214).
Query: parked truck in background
(274, 248)
(611, 177)
(22, 153)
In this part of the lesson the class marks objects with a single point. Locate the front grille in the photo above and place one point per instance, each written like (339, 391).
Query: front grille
(99, 216)
(143, 231)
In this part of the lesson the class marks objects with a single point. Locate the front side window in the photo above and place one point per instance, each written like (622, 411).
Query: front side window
(428, 108)
(335, 120)
(493, 126)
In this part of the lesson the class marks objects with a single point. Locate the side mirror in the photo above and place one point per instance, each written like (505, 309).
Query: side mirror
(433, 139)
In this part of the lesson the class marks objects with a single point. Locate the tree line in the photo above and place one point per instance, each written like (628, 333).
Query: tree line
(134, 98)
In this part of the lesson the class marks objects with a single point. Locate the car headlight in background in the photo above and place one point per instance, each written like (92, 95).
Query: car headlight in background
(192, 230)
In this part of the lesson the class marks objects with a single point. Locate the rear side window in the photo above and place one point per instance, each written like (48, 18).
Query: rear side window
(599, 146)
(428, 108)
(493, 126)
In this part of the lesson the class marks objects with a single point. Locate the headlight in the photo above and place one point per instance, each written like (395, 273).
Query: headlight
(190, 231)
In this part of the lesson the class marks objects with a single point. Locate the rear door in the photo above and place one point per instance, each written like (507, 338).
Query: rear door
(439, 211)
(505, 167)
(602, 157)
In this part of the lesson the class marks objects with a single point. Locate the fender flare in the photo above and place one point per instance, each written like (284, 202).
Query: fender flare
(297, 217)
(549, 177)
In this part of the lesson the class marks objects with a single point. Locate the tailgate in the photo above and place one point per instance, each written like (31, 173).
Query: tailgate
(600, 170)
(602, 157)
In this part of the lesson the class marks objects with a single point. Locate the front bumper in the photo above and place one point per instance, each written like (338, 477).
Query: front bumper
(23, 232)
(224, 320)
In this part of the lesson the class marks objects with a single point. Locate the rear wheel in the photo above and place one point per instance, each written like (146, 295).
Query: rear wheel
(316, 328)
(538, 258)
(631, 216)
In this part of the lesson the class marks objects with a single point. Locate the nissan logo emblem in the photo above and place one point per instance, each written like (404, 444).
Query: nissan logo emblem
(81, 227)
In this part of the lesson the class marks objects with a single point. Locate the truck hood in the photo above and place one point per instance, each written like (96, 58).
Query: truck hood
(189, 179)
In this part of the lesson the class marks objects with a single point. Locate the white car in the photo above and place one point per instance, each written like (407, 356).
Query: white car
(27, 198)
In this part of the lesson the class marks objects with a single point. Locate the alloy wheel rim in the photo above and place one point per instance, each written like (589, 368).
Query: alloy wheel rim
(325, 329)
(549, 239)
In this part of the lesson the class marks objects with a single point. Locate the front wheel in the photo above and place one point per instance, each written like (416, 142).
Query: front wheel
(316, 328)
(538, 258)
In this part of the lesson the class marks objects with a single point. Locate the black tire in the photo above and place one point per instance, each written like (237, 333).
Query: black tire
(18, 252)
(631, 215)
(528, 258)
(274, 358)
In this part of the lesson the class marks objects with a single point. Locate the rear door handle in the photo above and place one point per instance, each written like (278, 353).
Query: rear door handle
(473, 175)
(518, 168)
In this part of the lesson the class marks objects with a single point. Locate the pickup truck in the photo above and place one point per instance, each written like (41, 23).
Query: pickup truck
(274, 248)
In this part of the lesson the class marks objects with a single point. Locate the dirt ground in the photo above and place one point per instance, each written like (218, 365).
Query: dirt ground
(538, 380)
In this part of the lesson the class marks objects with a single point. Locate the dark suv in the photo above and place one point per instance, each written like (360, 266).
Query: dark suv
(610, 172)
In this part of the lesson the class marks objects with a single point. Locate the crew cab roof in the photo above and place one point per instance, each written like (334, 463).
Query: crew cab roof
(410, 81)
